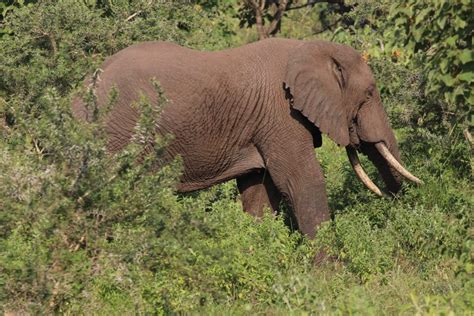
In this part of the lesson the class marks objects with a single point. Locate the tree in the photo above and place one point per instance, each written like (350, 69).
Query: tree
(257, 11)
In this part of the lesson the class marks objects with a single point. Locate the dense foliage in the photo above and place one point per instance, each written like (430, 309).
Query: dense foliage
(84, 232)
(441, 31)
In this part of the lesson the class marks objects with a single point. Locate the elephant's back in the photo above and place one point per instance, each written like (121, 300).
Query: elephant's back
(173, 66)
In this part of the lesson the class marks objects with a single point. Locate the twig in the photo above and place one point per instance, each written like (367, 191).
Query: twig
(382, 46)
(132, 16)
(54, 45)
(327, 27)
(468, 137)
(38, 150)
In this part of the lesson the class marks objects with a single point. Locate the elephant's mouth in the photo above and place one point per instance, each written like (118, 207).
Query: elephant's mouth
(388, 166)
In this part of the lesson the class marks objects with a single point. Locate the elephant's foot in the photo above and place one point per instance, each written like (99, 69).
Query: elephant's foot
(322, 257)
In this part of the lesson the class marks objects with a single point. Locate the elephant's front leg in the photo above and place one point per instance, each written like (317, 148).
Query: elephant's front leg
(298, 175)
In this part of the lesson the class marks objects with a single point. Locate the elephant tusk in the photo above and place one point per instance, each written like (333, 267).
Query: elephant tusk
(383, 150)
(355, 163)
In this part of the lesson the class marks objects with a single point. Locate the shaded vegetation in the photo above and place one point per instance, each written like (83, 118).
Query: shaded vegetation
(84, 232)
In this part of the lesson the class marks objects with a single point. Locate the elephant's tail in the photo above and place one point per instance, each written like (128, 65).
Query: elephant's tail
(80, 108)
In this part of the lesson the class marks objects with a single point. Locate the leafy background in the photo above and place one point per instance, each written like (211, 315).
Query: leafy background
(82, 232)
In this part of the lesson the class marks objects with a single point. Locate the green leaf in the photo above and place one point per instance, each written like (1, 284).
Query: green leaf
(400, 20)
(467, 77)
(417, 34)
(422, 15)
(448, 80)
(442, 21)
(459, 23)
(408, 11)
(470, 99)
(459, 91)
(451, 41)
(466, 56)
(443, 66)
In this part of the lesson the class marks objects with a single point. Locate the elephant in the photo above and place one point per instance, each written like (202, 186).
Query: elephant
(255, 113)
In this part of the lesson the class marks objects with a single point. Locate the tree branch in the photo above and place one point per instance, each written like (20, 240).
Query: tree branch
(313, 2)
(328, 27)
(274, 26)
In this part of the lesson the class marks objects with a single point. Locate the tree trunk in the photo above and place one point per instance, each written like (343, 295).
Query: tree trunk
(262, 33)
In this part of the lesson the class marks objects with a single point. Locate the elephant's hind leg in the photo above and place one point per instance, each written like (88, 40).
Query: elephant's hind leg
(257, 191)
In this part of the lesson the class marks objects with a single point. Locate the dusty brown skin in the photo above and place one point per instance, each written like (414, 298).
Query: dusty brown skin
(255, 114)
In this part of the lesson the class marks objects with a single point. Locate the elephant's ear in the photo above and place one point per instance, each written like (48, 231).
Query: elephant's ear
(316, 92)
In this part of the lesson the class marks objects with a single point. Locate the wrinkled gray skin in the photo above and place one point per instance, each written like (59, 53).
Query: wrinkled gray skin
(255, 114)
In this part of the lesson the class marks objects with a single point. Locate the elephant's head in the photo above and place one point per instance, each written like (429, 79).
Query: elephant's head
(333, 87)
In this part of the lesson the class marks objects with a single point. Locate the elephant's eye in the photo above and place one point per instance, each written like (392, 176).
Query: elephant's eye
(339, 73)
(370, 92)
(339, 69)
